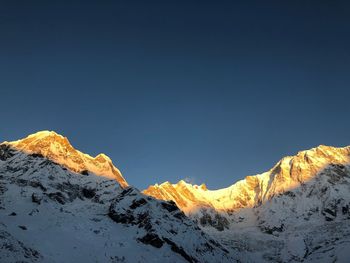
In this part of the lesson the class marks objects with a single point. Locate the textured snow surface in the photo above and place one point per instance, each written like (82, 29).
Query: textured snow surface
(50, 214)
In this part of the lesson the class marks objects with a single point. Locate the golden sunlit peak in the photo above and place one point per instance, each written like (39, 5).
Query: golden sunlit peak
(58, 149)
(40, 141)
(202, 186)
(45, 133)
(166, 183)
(103, 157)
(289, 173)
(182, 182)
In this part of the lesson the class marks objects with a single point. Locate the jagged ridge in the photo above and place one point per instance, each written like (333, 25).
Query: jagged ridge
(50, 214)
(289, 173)
(58, 149)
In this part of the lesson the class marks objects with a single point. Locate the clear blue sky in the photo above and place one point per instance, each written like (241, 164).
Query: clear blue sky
(210, 91)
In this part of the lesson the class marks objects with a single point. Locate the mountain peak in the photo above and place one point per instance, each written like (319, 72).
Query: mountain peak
(287, 174)
(58, 149)
(203, 187)
(41, 139)
(42, 135)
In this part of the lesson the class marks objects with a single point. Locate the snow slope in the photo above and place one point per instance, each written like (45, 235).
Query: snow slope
(289, 173)
(58, 149)
(48, 213)
(298, 211)
(60, 205)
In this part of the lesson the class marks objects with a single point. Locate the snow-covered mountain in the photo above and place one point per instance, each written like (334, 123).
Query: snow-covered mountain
(60, 205)
(58, 149)
(288, 174)
(297, 211)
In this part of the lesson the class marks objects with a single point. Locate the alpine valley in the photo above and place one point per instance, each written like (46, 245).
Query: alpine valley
(58, 204)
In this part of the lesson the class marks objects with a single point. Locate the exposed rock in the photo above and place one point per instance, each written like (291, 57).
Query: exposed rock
(212, 218)
(36, 198)
(152, 239)
(180, 251)
(6, 152)
(162, 222)
(89, 192)
(58, 197)
(13, 250)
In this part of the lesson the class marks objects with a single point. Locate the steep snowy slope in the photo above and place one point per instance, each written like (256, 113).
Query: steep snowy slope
(310, 223)
(48, 213)
(58, 149)
(60, 205)
(289, 173)
(299, 211)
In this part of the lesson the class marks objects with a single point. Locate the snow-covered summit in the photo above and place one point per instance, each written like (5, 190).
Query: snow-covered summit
(298, 211)
(48, 213)
(50, 191)
(58, 149)
(289, 173)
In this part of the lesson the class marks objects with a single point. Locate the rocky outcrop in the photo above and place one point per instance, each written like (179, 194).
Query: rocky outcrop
(13, 250)
(163, 224)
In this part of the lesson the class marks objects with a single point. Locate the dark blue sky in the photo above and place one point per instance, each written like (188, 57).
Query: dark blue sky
(209, 91)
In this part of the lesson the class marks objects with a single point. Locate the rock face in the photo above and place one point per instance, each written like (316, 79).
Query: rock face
(48, 213)
(163, 224)
(58, 149)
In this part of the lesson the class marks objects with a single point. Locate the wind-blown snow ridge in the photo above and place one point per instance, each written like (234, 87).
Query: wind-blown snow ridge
(58, 149)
